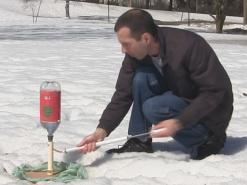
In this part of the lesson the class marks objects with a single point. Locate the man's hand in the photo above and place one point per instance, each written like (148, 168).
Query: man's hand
(170, 126)
(89, 141)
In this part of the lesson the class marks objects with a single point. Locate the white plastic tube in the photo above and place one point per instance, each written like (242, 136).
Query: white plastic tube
(98, 144)
(101, 143)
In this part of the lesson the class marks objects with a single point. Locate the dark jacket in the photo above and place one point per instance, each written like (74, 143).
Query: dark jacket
(191, 71)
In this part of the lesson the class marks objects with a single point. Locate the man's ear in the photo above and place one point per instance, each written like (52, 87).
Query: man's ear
(146, 37)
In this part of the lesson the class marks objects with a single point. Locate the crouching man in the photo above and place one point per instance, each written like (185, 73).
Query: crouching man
(175, 81)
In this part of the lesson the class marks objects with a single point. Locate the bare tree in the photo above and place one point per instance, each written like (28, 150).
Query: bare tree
(147, 2)
(67, 9)
(30, 4)
(130, 3)
(38, 10)
(170, 5)
(220, 12)
(245, 11)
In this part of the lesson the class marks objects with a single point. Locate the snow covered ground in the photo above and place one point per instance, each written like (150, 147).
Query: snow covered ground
(83, 54)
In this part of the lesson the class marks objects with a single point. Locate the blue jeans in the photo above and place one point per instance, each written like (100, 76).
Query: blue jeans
(154, 102)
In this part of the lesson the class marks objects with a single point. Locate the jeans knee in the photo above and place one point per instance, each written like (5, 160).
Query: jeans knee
(140, 77)
(156, 110)
(138, 80)
(150, 110)
(146, 76)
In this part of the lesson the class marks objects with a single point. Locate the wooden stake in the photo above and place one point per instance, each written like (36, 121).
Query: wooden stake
(50, 158)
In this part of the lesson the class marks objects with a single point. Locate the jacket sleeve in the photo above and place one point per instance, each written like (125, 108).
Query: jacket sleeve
(121, 100)
(210, 80)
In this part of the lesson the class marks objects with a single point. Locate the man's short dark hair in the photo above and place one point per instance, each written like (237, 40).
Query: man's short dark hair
(138, 21)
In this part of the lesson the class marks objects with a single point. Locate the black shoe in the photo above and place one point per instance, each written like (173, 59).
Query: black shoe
(211, 146)
(134, 145)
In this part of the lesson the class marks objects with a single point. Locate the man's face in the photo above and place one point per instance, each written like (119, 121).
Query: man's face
(137, 49)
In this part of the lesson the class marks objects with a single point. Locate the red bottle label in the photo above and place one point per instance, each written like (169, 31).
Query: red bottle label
(50, 106)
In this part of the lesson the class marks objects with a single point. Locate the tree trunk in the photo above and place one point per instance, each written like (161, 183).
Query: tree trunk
(147, 4)
(219, 25)
(220, 10)
(170, 5)
(130, 3)
(67, 9)
(245, 11)
(196, 6)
